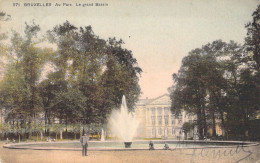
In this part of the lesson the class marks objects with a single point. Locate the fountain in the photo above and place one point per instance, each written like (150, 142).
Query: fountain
(102, 135)
(123, 124)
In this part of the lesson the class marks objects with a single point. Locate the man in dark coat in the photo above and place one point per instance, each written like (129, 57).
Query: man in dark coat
(84, 142)
(151, 146)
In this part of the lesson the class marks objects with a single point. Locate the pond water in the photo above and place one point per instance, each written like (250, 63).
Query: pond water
(135, 144)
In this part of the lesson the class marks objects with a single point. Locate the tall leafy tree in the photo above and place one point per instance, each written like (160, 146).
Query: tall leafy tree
(20, 83)
(190, 92)
(102, 70)
(253, 37)
(200, 84)
(252, 44)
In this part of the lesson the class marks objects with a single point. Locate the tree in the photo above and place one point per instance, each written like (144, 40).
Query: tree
(19, 129)
(102, 70)
(190, 92)
(37, 127)
(253, 37)
(5, 128)
(68, 105)
(76, 128)
(198, 85)
(20, 84)
(58, 128)
(187, 127)
(218, 81)
(3, 47)
(251, 77)
(91, 75)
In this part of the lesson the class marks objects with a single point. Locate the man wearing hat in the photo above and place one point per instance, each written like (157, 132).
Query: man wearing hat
(84, 142)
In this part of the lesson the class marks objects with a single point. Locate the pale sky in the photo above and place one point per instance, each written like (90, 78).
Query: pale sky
(161, 32)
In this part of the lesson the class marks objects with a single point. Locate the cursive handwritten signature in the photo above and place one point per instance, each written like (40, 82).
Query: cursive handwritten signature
(217, 153)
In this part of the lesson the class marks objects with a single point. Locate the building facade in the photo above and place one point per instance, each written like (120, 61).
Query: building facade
(157, 121)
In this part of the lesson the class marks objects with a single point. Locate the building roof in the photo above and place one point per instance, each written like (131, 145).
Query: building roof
(141, 102)
(161, 100)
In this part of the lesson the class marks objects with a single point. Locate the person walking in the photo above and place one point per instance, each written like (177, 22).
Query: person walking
(151, 146)
(84, 142)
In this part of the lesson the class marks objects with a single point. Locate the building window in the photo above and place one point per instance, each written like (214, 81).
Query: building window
(166, 119)
(179, 119)
(173, 131)
(153, 111)
(173, 120)
(160, 131)
(159, 111)
(153, 132)
(160, 120)
(166, 131)
(153, 120)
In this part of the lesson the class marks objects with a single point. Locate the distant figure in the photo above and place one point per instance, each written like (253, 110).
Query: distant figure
(84, 142)
(166, 146)
(205, 138)
(7, 141)
(50, 139)
(151, 146)
(13, 140)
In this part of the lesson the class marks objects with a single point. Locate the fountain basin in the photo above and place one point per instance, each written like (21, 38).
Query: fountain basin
(128, 144)
(136, 145)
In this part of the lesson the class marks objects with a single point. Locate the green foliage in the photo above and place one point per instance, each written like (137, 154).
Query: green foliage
(76, 128)
(98, 72)
(90, 77)
(221, 81)
(5, 128)
(37, 126)
(199, 80)
(187, 126)
(57, 127)
(253, 38)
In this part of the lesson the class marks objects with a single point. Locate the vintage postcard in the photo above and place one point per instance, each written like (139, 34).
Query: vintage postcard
(129, 81)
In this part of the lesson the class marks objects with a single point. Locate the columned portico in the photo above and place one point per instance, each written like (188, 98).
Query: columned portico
(156, 119)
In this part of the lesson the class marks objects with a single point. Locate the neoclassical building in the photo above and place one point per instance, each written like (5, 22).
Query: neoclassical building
(156, 119)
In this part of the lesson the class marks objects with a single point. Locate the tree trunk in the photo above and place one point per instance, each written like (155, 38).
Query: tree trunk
(61, 135)
(45, 122)
(199, 121)
(204, 122)
(213, 125)
(66, 124)
(29, 124)
(48, 123)
(222, 123)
